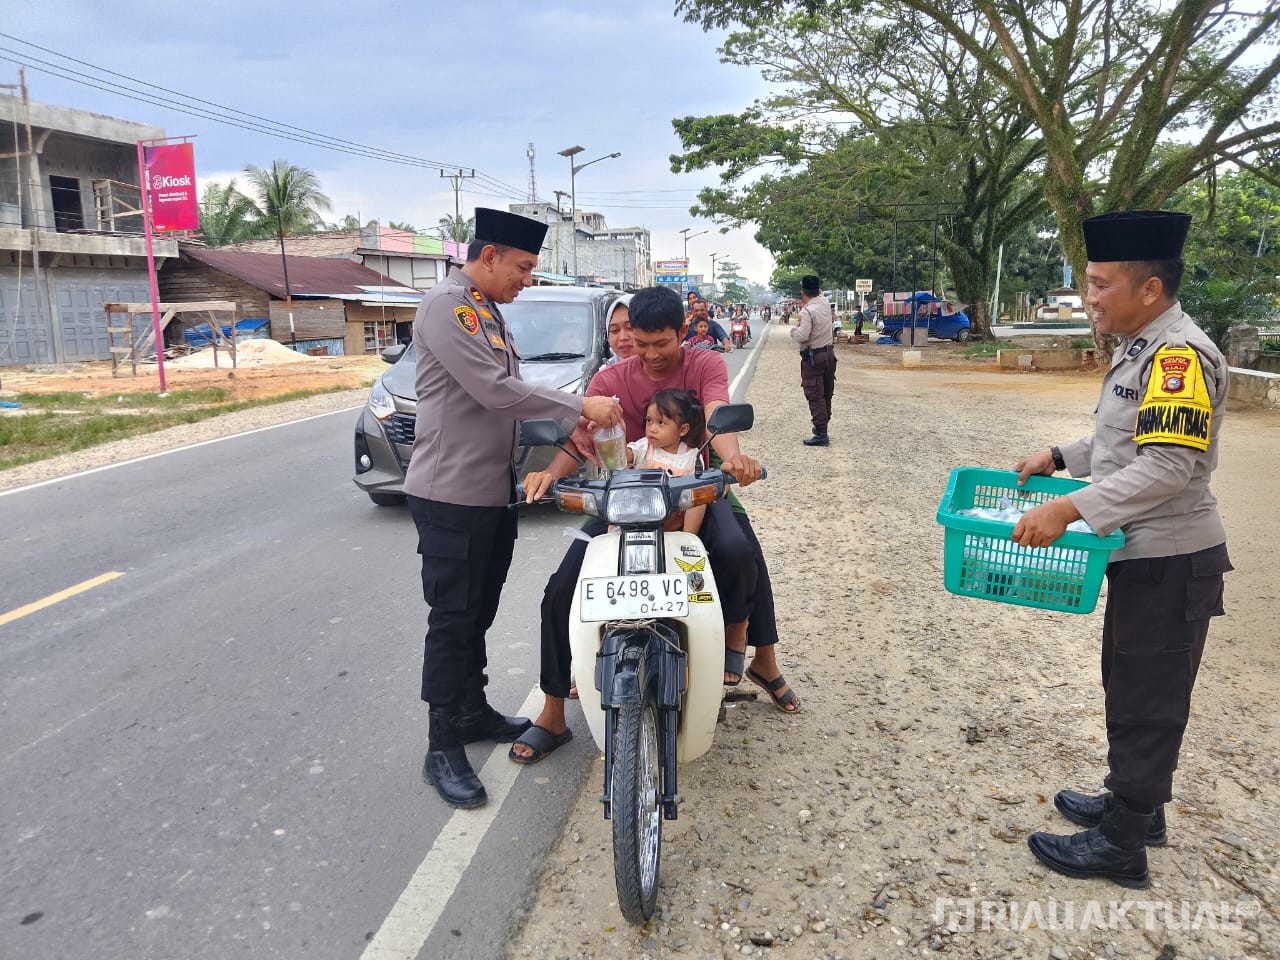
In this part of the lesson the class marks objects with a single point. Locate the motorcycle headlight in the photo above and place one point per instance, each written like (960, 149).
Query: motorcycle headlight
(639, 505)
(381, 403)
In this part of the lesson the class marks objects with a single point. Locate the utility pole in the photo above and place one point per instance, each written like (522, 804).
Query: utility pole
(457, 179)
(556, 266)
(36, 204)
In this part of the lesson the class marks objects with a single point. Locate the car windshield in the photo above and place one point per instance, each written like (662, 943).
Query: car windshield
(550, 329)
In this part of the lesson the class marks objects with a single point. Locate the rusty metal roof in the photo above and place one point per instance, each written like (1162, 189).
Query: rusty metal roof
(308, 276)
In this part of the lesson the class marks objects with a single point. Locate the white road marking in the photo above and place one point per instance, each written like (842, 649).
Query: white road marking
(57, 730)
(414, 916)
(162, 453)
(750, 364)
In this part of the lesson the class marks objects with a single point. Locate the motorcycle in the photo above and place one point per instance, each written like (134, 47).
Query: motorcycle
(738, 331)
(646, 613)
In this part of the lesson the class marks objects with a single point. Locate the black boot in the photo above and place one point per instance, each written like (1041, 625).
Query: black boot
(1113, 850)
(1088, 812)
(819, 438)
(446, 767)
(482, 722)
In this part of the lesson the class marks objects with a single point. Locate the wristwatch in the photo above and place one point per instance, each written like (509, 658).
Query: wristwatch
(1058, 462)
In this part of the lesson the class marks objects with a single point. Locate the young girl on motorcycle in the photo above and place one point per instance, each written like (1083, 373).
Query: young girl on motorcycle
(673, 429)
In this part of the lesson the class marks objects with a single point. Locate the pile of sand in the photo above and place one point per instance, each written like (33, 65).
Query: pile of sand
(249, 353)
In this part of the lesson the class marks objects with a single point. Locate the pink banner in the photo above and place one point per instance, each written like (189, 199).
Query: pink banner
(171, 176)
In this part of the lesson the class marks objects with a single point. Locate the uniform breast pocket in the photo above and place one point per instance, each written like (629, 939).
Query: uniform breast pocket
(446, 577)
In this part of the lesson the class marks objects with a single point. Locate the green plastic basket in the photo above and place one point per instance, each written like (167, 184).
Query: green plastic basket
(979, 559)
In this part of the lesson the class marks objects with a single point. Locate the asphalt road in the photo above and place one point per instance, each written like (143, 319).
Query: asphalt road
(211, 743)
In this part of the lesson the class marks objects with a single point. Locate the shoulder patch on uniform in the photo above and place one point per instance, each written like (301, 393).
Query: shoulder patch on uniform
(1176, 408)
(467, 319)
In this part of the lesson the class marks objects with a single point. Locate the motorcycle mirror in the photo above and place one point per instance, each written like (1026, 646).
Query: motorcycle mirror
(542, 433)
(731, 418)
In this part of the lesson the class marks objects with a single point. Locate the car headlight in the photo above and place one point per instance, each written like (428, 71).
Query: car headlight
(640, 505)
(381, 403)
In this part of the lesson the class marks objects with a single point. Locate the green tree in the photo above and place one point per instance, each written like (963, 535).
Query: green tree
(458, 229)
(228, 216)
(289, 197)
(401, 225)
(1130, 98)
(851, 202)
(1219, 303)
(735, 292)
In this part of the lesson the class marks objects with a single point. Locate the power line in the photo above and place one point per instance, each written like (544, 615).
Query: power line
(221, 113)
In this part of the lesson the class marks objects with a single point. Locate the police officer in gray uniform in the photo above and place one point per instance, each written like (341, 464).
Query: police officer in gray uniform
(1154, 446)
(461, 478)
(817, 357)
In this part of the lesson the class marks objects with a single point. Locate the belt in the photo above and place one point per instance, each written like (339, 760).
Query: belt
(810, 351)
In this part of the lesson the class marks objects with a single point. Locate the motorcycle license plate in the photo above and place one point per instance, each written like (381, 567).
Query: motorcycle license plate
(633, 598)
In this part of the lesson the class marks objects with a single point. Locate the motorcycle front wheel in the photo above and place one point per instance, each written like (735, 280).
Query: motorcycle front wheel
(637, 813)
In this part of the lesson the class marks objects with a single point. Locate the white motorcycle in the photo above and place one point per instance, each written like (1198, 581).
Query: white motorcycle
(646, 612)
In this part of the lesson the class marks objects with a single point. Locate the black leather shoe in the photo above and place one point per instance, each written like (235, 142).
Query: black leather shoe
(818, 440)
(1088, 811)
(449, 771)
(487, 723)
(1092, 854)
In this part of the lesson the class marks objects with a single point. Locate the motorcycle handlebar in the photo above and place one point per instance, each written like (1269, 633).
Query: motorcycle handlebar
(731, 479)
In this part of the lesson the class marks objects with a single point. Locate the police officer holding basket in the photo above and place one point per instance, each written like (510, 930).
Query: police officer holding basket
(1154, 446)
(461, 478)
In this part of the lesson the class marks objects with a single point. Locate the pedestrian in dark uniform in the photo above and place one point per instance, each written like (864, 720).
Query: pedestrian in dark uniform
(817, 357)
(1154, 446)
(461, 478)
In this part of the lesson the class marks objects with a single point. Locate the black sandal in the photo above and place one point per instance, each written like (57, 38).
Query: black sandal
(735, 662)
(771, 687)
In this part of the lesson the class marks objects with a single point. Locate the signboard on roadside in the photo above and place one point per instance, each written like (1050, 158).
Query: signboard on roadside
(862, 286)
(671, 267)
(171, 177)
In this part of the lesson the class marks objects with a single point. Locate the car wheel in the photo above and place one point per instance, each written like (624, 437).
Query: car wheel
(387, 499)
(962, 336)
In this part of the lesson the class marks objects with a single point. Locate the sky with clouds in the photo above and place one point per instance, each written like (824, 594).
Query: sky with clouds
(467, 84)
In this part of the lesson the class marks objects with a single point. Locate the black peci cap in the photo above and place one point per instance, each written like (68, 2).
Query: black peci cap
(1135, 235)
(509, 230)
(810, 284)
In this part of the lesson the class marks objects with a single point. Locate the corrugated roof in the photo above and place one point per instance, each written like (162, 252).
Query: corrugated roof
(308, 276)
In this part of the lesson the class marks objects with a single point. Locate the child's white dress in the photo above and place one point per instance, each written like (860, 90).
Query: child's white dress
(677, 464)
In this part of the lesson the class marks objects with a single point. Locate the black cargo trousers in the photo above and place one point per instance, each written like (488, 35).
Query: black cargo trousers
(466, 554)
(1153, 636)
(818, 380)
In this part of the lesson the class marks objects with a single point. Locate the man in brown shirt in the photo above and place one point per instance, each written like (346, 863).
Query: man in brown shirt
(817, 357)
(461, 478)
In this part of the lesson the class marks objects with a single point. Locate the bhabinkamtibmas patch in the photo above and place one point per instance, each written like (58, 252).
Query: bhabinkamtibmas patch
(1176, 408)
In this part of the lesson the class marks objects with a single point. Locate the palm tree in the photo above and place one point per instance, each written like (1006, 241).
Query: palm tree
(228, 216)
(457, 229)
(289, 197)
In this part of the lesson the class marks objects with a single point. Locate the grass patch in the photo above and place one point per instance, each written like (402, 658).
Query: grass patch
(982, 350)
(67, 422)
(1082, 343)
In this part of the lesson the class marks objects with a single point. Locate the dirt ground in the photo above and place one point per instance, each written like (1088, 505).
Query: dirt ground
(889, 817)
(251, 380)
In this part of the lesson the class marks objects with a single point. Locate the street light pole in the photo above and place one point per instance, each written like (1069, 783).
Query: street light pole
(572, 152)
(714, 257)
(687, 236)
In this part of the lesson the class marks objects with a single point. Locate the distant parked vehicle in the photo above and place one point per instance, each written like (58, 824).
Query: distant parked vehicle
(941, 318)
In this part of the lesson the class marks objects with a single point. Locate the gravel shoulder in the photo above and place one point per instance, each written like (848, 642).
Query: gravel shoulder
(936, 729)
